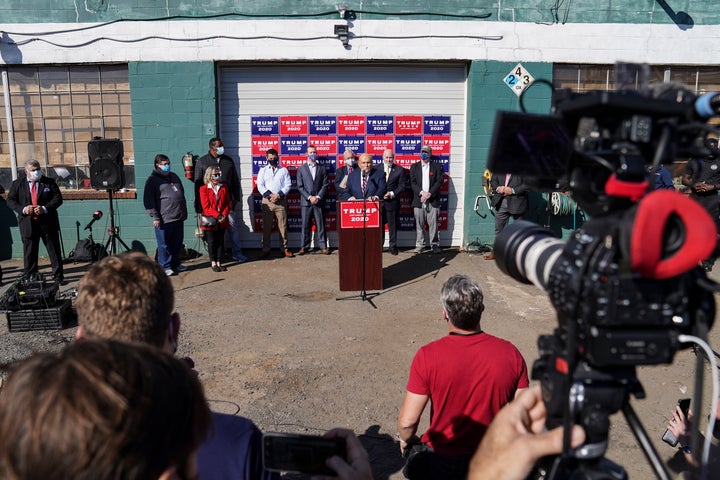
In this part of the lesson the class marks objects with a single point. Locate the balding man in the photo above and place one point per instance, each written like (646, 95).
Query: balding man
(396, 182)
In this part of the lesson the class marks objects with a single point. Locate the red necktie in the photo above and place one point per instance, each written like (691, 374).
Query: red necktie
(33, 193)
(364, 184)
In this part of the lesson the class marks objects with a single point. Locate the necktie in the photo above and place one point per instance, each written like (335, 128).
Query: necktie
(33, 193)
(507, 179)
(364, 183)
(387, 173)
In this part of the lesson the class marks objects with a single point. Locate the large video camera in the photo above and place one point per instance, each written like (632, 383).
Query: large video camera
(627, 284)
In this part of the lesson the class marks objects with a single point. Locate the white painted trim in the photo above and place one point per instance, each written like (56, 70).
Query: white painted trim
(481, 40)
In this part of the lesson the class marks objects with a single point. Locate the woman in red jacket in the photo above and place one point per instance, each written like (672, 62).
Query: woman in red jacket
(215, 201)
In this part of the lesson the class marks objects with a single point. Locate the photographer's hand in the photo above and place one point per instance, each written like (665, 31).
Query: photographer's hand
(515, 440)
(679, 425)
(357, 466)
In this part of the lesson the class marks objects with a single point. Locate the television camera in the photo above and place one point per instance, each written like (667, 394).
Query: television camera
(627, 285)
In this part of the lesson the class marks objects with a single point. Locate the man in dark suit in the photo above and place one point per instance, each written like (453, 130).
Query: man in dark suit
(312, 183)
(426, 178)
(341, 175)
(396, 182)
(36, 199)
(509, 199)
(365, 182)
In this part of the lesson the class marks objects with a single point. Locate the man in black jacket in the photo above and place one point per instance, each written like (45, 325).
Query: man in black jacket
(35, 198)
(216, 156)
(396, 182)
(426, 178)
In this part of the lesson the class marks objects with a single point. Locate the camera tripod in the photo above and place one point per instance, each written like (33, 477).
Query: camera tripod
(113, 231)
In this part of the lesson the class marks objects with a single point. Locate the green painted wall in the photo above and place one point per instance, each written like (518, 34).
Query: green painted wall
(697, 12)
(486, 95)
(173, 111)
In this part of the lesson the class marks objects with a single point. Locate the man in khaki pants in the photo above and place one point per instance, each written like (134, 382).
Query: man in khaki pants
(273, 183)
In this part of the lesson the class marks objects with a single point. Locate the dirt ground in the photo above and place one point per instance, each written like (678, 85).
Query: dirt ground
(273, 341)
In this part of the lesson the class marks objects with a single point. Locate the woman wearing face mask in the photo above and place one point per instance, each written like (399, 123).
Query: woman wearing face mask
(215, 202)
(164, 201)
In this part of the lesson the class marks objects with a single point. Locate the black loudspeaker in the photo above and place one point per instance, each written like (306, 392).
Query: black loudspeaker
(106, 164)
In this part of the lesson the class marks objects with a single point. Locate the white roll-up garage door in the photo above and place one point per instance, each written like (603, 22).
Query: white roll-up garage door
(250, 91)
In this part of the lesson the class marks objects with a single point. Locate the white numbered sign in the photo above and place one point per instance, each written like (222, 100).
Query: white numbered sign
(518, 79)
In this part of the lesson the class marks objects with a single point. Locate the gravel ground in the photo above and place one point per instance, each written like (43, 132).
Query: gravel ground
(272, 342)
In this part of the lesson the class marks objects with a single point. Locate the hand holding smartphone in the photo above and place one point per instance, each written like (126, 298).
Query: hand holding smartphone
(668, 437)
(289, 452)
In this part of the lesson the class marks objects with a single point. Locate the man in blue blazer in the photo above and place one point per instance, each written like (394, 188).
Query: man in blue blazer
(367, 177)
(396, 181)
(36, 198)
(312, 183)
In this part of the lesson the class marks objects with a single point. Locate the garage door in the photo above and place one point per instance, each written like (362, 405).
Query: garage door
(279, 98)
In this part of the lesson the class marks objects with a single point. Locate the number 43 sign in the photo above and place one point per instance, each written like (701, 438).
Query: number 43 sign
(518, 79)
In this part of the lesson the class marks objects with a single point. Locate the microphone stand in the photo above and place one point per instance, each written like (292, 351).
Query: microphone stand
(364, 296)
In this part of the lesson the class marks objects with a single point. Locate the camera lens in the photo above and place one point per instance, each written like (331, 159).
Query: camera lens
(527, 252)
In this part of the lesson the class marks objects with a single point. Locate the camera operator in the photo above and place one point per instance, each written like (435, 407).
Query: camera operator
(515, 440)
(702, 175)
(685, 460)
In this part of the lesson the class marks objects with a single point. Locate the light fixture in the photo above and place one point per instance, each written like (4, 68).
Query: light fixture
(341, 8)
(341, 31)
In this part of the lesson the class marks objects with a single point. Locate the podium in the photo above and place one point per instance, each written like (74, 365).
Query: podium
(358, 227)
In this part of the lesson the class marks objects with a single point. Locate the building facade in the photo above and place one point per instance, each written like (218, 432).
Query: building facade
(370, 75)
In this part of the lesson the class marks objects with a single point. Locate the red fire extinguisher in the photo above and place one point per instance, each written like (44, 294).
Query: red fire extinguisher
(188, 164)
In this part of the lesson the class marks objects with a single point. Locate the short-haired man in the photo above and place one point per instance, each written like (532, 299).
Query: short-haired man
(102, 409)
(128, 297)
(426, 178)
(396, 182)
(36, 198)
(342, 173)
(216, 156)
(468, 376)
(365, 182)
(273, 183)
(312, 183)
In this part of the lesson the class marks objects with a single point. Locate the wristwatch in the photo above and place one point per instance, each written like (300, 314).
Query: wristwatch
(686, 450)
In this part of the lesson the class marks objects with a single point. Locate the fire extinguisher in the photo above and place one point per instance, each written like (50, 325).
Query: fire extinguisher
(188, 164)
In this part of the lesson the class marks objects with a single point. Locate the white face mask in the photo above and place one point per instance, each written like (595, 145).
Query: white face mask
(35, 175)
(220, 150)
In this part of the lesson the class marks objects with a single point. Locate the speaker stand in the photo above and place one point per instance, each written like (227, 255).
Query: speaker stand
(113, 233)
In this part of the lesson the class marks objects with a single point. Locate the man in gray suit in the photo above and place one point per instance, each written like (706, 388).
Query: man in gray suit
(312, 183)
(510, 199)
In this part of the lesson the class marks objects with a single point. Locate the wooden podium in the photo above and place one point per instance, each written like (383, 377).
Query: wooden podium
(359, 224)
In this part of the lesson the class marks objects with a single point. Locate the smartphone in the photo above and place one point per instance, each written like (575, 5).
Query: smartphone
(668, 437)
(289, 452)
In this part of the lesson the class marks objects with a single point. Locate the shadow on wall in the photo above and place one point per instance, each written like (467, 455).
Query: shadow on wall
(8, 220)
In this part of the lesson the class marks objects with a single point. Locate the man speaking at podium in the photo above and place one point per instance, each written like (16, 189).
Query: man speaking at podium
(366, 183)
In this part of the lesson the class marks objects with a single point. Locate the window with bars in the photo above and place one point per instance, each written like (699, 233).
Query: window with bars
(55, 111)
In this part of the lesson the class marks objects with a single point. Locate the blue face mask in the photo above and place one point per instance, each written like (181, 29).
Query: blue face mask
(165, 168)
(215, 177)
(312, 156)
(425, 156)
(220, 150)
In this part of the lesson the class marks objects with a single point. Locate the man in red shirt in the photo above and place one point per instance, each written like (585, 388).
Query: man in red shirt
(468, 376)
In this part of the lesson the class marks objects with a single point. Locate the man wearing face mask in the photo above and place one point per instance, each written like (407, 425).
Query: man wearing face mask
(425, 180)
(216, 156)
(164, 200)
(273, 183)
(342, 173)
(312, 183)
(36, 199)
